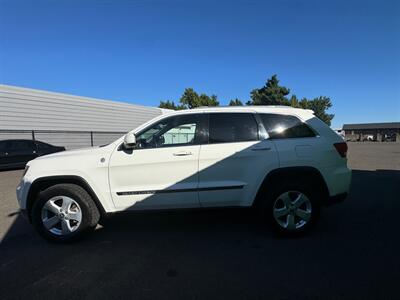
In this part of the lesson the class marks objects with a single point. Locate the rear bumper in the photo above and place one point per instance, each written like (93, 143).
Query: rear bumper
(338, 180)
(335, 199)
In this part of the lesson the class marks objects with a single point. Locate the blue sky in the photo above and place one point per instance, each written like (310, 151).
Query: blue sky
(146, 51)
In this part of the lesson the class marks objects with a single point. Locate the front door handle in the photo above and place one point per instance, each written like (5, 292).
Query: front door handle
(182, 153)
(261, 148)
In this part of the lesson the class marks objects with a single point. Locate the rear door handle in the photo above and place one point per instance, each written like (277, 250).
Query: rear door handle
(263, 148)
(182, 153)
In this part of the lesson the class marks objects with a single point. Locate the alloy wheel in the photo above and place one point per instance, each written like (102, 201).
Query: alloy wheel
(61, 215)
(292, 210)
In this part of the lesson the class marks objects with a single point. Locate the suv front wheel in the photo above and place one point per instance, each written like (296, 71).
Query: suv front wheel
(64, 212)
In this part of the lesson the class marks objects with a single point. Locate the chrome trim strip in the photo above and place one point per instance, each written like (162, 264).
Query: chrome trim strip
(205, 189)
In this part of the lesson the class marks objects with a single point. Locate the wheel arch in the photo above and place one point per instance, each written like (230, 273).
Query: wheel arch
(292, 173)
(42, 183)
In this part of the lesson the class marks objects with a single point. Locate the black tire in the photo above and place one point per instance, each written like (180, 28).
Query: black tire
(269, 196)
(89, 212)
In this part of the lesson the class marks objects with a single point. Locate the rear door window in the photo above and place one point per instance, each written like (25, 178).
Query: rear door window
(232, 127)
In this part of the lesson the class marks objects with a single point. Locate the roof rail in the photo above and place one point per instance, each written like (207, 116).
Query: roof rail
(260, 106)
(233, 106)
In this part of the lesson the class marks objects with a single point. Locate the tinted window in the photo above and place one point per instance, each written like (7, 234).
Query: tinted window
(232, 127)
(43, 146)
(173, 131)
(3, 146)
(21, 146)
(281, 126)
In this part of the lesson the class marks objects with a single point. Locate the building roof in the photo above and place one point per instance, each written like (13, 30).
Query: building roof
(390, 125)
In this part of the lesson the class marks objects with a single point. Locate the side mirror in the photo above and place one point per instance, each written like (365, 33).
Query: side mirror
(129, 140)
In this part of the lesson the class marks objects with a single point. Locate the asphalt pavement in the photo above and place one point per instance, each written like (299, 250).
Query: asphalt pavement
(353, 253)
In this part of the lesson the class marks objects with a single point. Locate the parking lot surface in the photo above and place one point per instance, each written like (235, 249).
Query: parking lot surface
(353, 253)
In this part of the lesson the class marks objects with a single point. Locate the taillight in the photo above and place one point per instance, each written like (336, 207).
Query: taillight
(341, 148)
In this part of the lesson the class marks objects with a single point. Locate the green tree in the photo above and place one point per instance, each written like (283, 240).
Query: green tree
(270, 94)
(170, 105)
(293, 101)
(205, 100)
(274, 94)
(235, 102)
(190, 99)
(319, 105)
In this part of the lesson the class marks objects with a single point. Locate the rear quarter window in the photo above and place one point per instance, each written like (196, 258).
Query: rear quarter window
(285, 127)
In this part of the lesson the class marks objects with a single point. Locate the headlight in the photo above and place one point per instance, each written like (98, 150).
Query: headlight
(26, 170)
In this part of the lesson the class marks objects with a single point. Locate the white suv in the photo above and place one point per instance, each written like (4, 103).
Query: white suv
(282, 161)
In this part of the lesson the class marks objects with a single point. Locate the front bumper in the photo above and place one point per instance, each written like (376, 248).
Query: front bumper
(22, 192)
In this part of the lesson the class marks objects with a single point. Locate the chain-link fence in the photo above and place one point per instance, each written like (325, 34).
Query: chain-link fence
(68, 139)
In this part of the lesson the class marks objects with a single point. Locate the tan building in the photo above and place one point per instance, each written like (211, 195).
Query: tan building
(381, 132)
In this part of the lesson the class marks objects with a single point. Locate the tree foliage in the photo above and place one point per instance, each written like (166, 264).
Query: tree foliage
(270, 94)
(319, 105)
(235, 102)
(170, 105)
(274, 94)
(191, 99)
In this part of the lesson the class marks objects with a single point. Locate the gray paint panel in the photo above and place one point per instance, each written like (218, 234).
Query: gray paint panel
(27, 109)
(70, 140)
(105, 138)
(15, 135)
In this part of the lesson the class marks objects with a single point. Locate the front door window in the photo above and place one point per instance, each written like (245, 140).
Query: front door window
(172, 132)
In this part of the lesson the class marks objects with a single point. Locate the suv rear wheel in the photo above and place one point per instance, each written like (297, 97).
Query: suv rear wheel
(64, 212)
(292, 209)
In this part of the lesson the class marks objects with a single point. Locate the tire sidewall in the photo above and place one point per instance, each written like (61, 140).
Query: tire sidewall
(54, 192)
